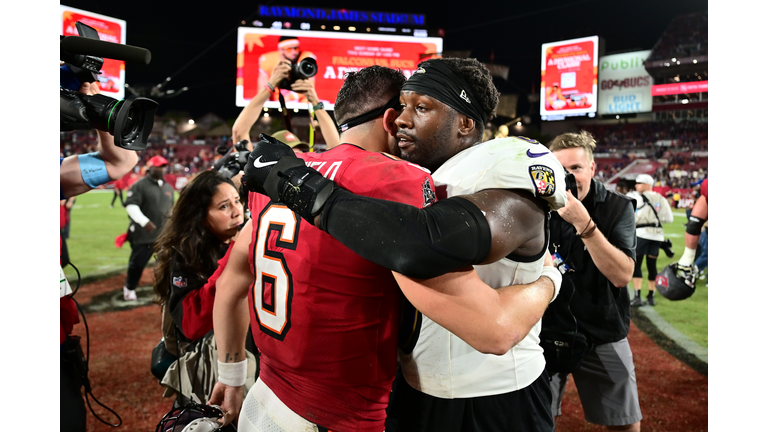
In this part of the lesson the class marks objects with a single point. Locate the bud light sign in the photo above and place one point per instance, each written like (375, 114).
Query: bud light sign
(625, 86)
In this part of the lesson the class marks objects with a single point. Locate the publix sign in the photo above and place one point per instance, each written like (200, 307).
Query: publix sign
(624, 85)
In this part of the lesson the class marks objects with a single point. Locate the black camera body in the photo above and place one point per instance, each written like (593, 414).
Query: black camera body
(304, 69)
(130, 120)
(570, 184)
(234, 162)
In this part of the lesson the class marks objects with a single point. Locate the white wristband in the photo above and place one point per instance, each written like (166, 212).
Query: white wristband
(555, 276)
(233, 374)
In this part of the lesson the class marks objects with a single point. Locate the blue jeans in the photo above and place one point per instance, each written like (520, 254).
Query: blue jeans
(701, 261)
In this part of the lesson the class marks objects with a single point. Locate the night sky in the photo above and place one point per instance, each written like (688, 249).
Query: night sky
(196, 46)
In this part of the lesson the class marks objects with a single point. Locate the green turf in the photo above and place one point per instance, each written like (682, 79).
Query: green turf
(95, 226)
(689, 316)
(92, 233)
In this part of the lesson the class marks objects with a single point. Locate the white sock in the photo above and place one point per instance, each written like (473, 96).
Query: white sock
(688, 256)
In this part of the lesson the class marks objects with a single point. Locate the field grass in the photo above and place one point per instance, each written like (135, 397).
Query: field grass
(689, 316)
(94, 228)
(92, 233)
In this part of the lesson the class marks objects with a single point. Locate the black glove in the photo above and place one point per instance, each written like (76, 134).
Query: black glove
(274, 170)
(262, 159)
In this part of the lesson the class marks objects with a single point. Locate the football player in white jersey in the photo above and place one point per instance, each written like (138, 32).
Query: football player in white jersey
(492, 211)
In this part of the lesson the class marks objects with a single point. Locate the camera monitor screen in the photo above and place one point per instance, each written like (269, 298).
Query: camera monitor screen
(336, 53)
(569, 78)
(112, 77)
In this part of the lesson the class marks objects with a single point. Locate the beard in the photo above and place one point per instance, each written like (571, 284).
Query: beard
(432, 151)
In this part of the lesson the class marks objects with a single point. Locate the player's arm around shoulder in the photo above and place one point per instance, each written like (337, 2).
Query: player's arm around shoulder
(492, 321)
(516, 220)
(394, 179)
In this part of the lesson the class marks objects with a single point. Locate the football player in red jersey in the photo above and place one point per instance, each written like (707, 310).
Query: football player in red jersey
(324, 319)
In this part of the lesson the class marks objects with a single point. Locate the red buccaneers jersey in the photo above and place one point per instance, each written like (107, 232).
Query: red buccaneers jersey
(705, 189)
(324, 319)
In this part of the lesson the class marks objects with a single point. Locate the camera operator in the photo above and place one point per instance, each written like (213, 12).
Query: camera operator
(79, 174)
(594, 235)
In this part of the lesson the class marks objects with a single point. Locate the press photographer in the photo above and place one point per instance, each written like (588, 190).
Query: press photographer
(83, 107)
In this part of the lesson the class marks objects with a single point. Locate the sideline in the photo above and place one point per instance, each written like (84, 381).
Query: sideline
(680, 339)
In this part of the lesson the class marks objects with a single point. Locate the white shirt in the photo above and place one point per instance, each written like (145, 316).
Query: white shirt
(441, 364)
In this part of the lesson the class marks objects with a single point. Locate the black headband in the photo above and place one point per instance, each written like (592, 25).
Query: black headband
(436, 79)
(372, 114)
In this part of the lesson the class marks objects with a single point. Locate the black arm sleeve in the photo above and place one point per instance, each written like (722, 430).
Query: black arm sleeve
(419, 243)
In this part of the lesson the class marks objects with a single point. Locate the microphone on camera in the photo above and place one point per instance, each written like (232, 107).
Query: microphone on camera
(99, 48)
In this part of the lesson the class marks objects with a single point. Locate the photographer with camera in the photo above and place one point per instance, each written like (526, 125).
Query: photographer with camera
(79, 174)
(593, 237)
(652, 211)
(288, 50)
(282, 71)
(123, 126)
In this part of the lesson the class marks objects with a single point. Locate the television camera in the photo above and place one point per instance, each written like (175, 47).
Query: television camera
(129, 120)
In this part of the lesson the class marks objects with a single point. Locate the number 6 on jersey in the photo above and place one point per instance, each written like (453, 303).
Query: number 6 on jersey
(273, 284)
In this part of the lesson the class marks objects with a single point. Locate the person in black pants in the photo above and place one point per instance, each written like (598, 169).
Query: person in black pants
(148, 205)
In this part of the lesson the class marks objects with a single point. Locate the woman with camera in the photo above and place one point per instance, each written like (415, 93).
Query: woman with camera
(191, 253)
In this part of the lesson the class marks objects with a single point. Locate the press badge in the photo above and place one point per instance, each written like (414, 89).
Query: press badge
(559, 263)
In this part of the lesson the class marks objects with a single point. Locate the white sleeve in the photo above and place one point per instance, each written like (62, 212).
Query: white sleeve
(134, 212)
(666, 215)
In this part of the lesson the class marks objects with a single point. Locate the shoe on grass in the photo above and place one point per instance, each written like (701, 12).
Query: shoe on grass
(129, 295)
(652, 301)
(636, 302)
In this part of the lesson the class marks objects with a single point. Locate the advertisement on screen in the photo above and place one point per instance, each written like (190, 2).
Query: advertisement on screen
(680, 88)
(336, 53)
(569, 78)
(112, 77)
(625, 85)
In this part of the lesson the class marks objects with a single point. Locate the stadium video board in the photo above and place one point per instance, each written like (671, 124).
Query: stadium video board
(112, 76)
(336, 53)
(569, 78)
(625, 85)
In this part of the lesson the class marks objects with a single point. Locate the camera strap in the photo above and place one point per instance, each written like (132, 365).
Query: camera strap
(286, 116)
(657, 224)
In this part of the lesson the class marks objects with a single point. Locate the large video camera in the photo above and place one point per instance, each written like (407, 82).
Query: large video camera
(304, 69)
(129, 120)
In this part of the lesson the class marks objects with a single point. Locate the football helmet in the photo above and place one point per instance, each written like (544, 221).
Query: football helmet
(673, 287)
(193, 417)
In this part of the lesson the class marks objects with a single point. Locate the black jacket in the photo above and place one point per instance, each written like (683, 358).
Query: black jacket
(155, 202)
(600, 308)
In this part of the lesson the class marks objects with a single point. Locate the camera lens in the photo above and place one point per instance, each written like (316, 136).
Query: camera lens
(307, 67)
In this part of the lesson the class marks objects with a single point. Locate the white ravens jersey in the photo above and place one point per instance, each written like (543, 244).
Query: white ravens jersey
(441, 364)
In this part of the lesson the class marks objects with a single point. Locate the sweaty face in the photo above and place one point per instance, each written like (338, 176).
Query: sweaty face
(427, 130)
(225, 212)
(574, 160)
